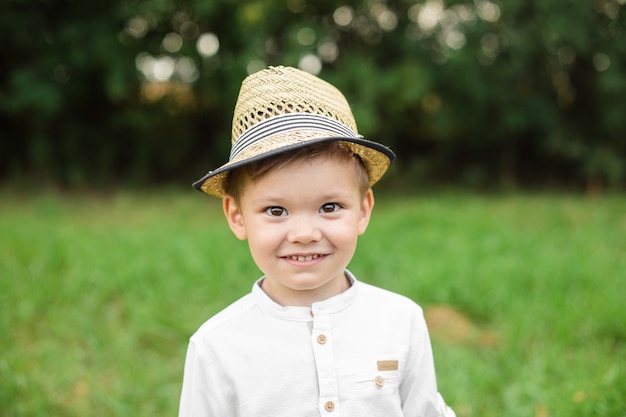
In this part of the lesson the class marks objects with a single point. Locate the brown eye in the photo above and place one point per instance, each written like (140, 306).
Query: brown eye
(329, 208)
(276, 211)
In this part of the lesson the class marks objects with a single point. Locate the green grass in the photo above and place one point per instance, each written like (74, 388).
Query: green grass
(98, 296)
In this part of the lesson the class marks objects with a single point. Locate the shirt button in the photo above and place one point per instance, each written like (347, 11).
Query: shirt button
(321, 339)
(379, 381)
(329, 406)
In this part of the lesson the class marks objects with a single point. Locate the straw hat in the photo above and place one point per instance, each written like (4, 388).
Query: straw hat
(280, 109)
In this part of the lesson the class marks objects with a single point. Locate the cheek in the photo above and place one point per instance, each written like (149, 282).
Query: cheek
(259, 251)
(263, 239)
(343, 235)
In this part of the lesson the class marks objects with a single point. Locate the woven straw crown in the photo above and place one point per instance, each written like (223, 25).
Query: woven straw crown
(282, 108)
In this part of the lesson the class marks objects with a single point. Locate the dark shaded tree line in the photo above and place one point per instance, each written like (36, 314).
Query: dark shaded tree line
(478, 93)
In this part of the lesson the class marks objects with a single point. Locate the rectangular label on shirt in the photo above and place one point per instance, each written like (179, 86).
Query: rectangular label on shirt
(387, 365)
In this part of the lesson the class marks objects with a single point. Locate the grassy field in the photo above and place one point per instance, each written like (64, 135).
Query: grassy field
(525, 296)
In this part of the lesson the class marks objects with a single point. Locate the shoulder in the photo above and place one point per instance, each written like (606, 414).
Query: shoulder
(232, 316)
(379, 296)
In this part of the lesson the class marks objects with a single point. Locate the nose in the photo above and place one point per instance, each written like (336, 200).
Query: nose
(303, 229)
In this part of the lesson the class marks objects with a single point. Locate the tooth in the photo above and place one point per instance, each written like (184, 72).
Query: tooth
(302, 258)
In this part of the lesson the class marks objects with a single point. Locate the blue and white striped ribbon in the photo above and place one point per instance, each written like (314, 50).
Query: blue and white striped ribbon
(289, 122)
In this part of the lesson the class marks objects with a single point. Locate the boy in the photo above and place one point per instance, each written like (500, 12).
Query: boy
(309, 340)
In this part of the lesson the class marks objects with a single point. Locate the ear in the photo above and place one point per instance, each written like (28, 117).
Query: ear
(367, 205)
(234, 217)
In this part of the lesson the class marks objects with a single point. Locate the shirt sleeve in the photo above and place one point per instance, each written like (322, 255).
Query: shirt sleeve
(447, 411)
(200, 394)
(420, 397)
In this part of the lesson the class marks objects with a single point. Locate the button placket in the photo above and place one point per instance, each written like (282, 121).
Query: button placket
(325, 362)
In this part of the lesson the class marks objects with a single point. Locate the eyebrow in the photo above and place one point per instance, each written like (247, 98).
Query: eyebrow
(280, 201)
(268, 201)
(334, 196)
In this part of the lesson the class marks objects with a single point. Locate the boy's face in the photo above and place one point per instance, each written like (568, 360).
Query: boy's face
(302, 222)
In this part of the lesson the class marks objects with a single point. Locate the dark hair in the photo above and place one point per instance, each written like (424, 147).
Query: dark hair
(249, 173)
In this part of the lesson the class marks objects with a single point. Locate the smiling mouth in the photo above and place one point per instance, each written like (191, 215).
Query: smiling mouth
(303, 258)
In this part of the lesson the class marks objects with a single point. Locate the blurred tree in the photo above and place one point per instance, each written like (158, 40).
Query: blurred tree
(480, 92)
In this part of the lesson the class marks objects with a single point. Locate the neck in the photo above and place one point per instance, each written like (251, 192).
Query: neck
(303, 298)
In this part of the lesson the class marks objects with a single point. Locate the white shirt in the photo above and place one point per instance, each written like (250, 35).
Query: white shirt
(365, 352)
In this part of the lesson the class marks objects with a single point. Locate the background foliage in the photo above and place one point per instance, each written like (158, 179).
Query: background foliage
(507, 93)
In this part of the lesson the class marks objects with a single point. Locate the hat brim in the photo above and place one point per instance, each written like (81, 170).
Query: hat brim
(376, 157)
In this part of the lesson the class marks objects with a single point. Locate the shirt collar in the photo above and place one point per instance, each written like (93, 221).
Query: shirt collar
(298, 313)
